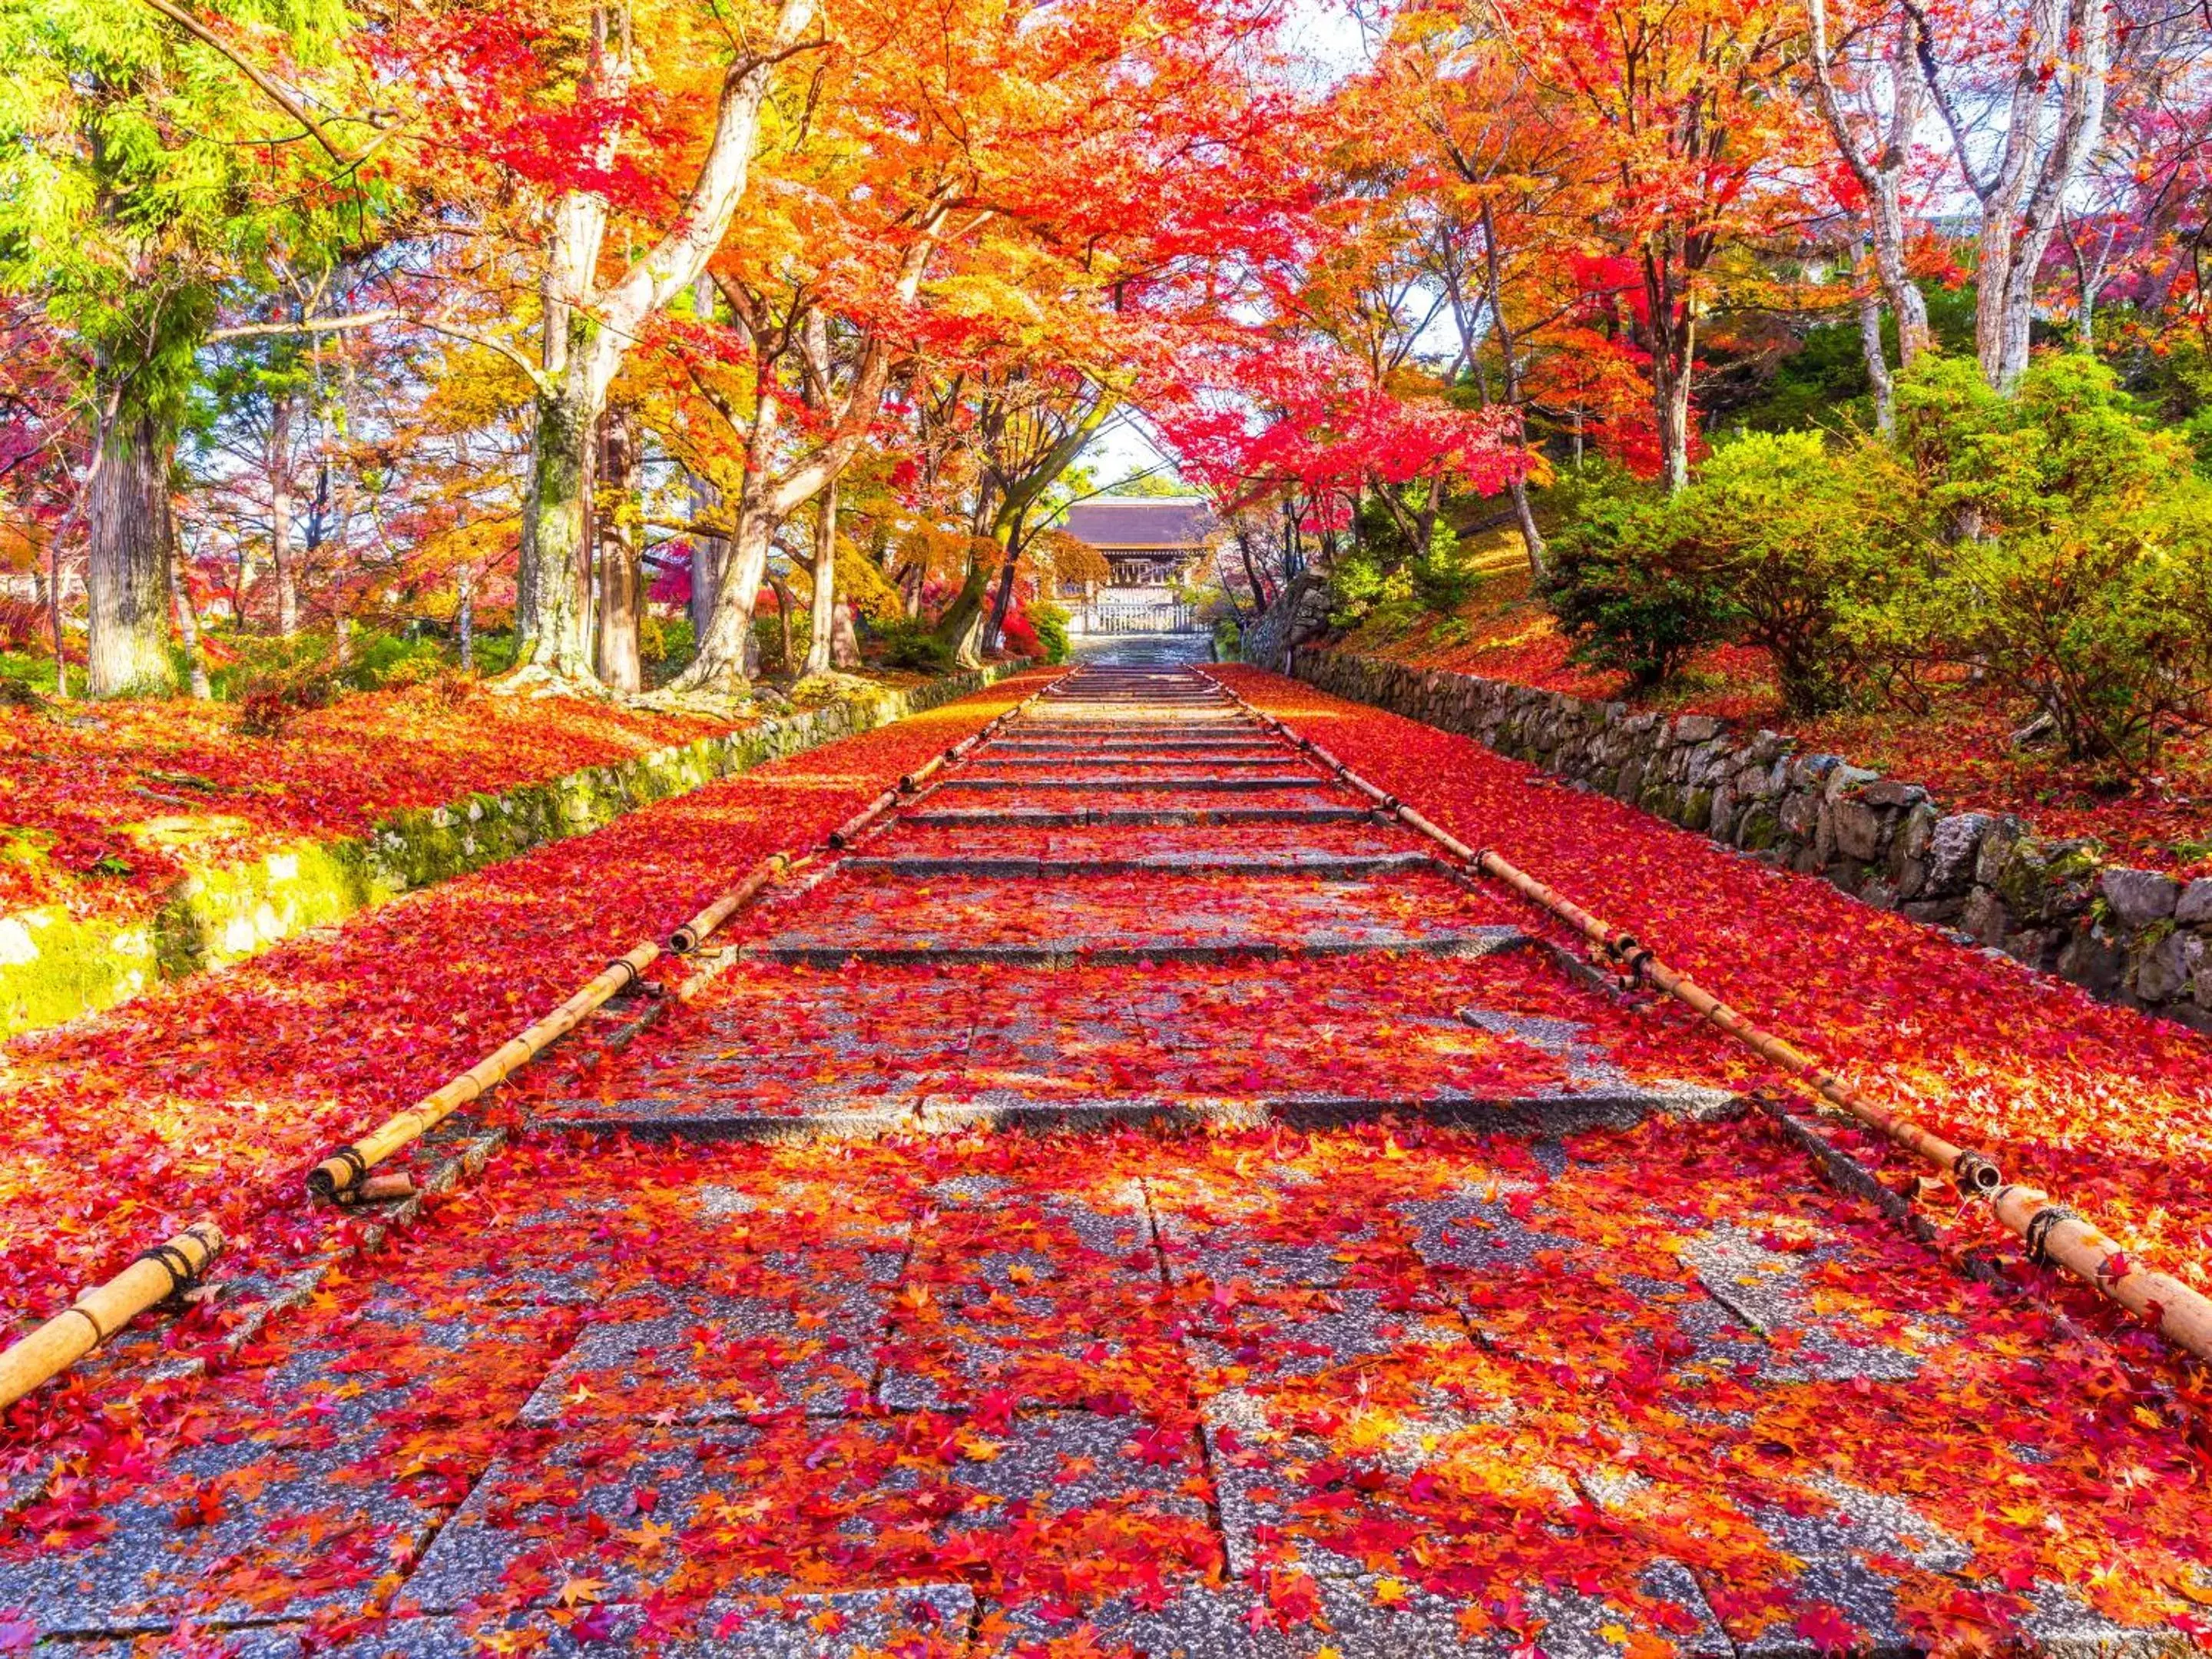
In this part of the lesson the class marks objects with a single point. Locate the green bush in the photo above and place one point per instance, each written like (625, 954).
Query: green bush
(1795, 540)
(1051, 624)
(1623, 594)
(909, 644)
(2075, 555)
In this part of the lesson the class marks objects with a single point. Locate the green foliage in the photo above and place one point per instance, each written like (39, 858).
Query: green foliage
(1228, 641)
(2074, 556)
(1050, 622)
(1622, 592)
(1792, 537)
(140, 175)
(910, 644)
(2055, 540)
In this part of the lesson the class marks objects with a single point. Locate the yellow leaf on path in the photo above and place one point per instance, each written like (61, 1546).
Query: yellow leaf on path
(577, 1591)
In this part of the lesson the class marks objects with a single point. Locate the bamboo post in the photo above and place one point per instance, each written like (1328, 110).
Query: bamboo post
(694, 933)
(97, 1315)
(343, 1169)
(2053, 1233)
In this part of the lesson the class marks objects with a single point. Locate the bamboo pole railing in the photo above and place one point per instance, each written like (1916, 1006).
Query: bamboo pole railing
(343, 1171)
(2053, 1233)
(694, 933)
(344, 1174)
(97, 1315)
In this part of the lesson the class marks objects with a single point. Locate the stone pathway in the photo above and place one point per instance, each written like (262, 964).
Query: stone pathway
(1352, 1288)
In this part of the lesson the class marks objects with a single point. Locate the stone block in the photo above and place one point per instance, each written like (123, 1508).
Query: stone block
(2164, 971)
(2139, 897)
(1953, 844)
(1697, 728)
(1858, 828)
(2092, 961)
(1934, 912)
(1888, 791)
(2195, 904)
(1844, 780)
(1800, 814)
(1985, 916)
(2000, 834)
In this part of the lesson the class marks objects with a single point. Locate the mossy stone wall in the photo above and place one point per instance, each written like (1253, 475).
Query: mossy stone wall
(54, 967)
(2136, 937)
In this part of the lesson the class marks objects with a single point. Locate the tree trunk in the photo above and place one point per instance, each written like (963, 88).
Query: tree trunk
(820, 645)
(465, 614)
(280, 518)
(844, 642)
(54, 614)
(720, 664)
(960, 630)
(1671, 354)
(127, 568)
(1003, 600)
(188, 628)
(621, 569)
(553, 596)
(1877, 362)
(785, 605)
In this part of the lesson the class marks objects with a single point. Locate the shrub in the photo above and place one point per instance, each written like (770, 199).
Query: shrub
(1018, 637)
(1623, 595)
(2073, 551)
(2103, 620)
(909, 644)
(1050, 622)
(1795, 538)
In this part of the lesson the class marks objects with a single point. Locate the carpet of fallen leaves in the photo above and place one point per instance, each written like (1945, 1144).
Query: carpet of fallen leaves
(101, 805)
(1392, 1368)
(209, 1095)
(1960, 750)
(2109, 1110)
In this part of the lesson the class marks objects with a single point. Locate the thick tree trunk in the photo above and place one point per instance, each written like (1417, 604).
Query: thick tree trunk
(844, 642)
(820, 643)
(126, 573)
(621, 570)
(722, 664)
(1672, 356)
(465, 614)
(960, 630)
(552, 616)
(1002, 601)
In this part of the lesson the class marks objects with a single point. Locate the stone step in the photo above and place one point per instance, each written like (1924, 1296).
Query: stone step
(1103, 949)
(1201, 783)
(1118, 918)
(1117, 759)
(1138, 816)
(1222, 861)
(1362, 839)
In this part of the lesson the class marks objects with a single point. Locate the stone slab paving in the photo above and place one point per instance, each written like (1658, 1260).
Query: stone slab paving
(1600, 1371)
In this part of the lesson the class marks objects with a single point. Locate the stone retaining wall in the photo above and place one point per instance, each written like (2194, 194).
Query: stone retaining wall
(2134, 937)
(54, 967)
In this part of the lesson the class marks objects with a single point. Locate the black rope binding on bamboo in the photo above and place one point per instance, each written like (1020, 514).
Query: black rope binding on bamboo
(175, 1263)
(2040, 1226)
(356, 1169)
